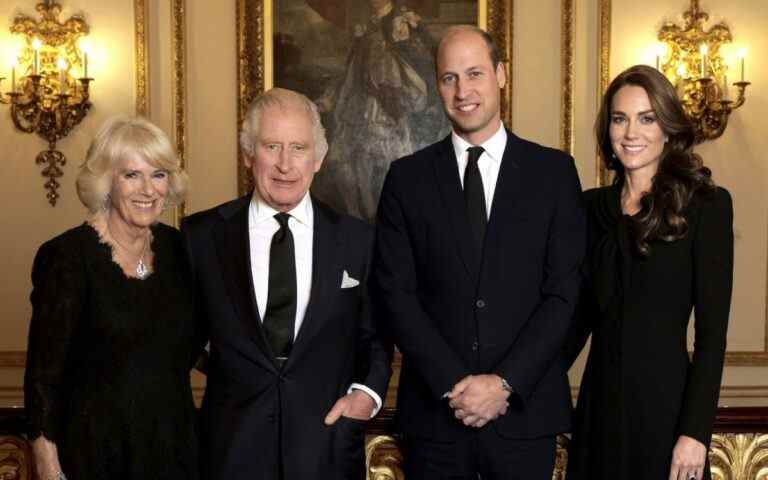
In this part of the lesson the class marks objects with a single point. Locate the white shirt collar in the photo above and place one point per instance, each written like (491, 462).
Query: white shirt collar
(494, 146)
(261, 211)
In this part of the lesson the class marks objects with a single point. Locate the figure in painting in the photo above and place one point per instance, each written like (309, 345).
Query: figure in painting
(382, 107)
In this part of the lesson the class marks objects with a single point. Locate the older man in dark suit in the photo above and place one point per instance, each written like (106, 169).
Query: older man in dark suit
(296, 364)
(479, 240)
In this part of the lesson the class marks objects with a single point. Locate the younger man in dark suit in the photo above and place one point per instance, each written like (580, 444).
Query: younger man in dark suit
(296, 365)
(479, 239)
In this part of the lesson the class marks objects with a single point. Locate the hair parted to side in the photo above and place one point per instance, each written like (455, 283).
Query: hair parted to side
(117, 138)
(493, 51)
(283, 99)
(681, 172)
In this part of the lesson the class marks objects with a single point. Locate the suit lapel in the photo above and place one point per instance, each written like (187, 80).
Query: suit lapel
(449, 183)
(327, 268)
(233, 248)
(508, 189)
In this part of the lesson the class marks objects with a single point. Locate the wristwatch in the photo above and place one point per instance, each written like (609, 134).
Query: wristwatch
(506, 386)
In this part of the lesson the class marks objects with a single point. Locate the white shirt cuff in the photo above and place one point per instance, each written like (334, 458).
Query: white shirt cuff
(371, 393)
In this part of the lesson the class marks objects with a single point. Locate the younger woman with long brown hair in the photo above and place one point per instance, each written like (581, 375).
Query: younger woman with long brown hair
(660, 245)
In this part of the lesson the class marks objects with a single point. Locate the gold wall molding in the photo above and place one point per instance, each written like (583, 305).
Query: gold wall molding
(13, 359)
(179, 89)
(568, 34)
(142, 57)
(604, 77)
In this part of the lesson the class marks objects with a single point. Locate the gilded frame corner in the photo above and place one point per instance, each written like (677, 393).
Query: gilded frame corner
(255, 56)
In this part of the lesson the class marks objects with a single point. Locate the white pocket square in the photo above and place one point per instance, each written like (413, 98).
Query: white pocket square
(348, 282)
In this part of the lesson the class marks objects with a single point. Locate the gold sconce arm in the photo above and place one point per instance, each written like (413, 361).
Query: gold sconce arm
(696, 67)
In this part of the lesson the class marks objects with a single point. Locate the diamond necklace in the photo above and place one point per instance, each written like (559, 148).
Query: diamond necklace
(141, 269)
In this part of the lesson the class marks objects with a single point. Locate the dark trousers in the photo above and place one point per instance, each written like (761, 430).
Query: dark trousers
(482, 454)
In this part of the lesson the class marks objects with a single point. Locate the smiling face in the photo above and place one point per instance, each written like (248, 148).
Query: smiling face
(636, 135)
(285, 160)
(469, 85)
(138, 192)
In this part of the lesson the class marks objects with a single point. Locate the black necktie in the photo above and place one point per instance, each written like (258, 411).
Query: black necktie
(474, 196)
(281, 296)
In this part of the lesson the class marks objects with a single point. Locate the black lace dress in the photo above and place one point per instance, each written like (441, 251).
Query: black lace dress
(108, 360)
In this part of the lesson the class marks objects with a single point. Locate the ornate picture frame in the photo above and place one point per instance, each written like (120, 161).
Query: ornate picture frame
(257, 59)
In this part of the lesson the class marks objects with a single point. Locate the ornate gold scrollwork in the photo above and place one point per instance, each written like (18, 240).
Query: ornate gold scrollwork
(50, 101)
(15, 459)
(383, 459)
(696, 68)
(736, 456)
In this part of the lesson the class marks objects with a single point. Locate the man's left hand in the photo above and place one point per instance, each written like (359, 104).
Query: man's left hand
(358, 405)
(478, 399)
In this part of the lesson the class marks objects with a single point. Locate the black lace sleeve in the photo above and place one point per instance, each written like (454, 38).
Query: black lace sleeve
(57, 297)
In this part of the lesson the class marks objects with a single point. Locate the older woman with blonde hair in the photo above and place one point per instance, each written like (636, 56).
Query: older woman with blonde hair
(112, 334)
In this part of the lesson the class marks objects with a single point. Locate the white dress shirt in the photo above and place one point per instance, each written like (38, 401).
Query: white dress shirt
(262, 226)
(489, 162)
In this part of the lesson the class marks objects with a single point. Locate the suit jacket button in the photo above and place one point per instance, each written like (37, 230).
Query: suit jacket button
(475, 346)
(480, 303)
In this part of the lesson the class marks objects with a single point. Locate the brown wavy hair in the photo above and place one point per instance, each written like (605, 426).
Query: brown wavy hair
(681, 172)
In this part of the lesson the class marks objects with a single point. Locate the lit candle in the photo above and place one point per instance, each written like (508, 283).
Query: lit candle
(725, 87)
(742, 56)
(62, 75)
(13, 75)
(85, 48)
(36, 44)
(661, 51)
(703, 50)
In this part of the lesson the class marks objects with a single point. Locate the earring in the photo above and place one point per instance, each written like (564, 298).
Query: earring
(666, 138)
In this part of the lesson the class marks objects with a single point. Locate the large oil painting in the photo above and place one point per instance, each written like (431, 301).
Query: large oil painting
(369, 67)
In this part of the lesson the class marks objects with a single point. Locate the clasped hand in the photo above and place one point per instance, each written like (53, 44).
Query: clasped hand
(478, 399)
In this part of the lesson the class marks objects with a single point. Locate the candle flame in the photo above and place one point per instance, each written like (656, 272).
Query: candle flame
(704, 49)
(62, 64)
(36, 44)
(742, 53)
(85, 45)
(681, 70)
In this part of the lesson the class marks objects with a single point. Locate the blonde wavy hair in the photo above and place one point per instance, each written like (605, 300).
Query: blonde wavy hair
(118, 137)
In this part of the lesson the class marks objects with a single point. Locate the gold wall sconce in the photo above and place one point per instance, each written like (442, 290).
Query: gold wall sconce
(690, 57)
(47, 97)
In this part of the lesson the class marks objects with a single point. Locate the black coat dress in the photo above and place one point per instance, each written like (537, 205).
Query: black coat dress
(108, 361)
(640, 390)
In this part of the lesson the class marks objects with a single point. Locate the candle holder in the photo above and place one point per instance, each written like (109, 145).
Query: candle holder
(48, 100)
(693, 48)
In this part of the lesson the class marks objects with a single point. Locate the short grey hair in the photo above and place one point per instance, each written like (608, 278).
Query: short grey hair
(283, 98)
(120, 136)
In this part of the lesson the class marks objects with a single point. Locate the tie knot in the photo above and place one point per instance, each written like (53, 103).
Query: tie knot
(282, 219)
(474, 154)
